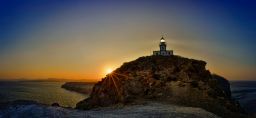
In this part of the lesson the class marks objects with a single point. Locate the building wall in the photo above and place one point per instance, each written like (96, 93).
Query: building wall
(156, 52)
(163, 53)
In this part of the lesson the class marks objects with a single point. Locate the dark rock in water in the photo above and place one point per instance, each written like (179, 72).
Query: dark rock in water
(55, 104)
(171, 79)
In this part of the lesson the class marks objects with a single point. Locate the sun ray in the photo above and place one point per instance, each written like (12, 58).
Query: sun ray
(121, 74)
(118, 92)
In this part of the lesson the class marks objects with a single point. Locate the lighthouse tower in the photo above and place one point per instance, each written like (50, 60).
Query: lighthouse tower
(162, 45)
(163, 51)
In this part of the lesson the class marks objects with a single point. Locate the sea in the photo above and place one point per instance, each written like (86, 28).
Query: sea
(245, 93)
(41, 92)
(51, 92)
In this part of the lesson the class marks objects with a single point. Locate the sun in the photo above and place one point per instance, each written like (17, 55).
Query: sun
(109, 70)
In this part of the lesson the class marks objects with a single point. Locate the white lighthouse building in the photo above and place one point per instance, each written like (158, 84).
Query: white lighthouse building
(163, 51)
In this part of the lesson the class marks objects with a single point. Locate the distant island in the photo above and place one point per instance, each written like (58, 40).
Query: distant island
(80, 87)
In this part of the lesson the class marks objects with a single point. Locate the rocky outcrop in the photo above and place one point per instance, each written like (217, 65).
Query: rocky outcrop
(55, 104)
(80, 87)
(223, 84)
(171, 80)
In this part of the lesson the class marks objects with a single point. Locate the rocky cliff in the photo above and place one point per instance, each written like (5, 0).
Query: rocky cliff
(169, 80)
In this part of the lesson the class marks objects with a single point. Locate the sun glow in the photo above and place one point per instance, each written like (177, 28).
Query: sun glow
(109, 70)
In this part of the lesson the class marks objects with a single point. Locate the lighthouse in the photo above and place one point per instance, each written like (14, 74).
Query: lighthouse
(163, 51)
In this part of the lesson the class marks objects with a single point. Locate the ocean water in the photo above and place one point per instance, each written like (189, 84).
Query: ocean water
(50, 92)
(245, 93)
(42, 92)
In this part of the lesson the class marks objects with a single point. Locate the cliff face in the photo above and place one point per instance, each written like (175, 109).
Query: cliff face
(171, 79)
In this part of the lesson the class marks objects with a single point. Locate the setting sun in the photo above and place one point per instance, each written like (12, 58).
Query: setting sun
(109, 70)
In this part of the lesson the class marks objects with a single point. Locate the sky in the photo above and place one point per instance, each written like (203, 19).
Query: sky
(82, 39)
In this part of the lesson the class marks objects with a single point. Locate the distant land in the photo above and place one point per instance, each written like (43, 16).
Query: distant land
(80, 87)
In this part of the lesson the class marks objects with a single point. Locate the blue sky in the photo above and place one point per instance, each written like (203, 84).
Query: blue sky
(53, 38)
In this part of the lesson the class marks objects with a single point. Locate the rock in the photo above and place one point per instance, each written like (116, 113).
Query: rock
(223, 84)
(55, 104)
(80, 87)
(167, 79)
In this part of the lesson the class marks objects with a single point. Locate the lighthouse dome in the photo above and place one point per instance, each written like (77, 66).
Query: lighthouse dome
(162, 39)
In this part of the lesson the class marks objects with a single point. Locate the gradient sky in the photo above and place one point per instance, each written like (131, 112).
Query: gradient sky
(79, 39)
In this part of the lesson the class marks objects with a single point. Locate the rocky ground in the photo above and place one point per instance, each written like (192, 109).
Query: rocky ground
(148, 110)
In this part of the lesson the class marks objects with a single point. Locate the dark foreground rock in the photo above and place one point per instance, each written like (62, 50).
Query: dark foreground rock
(149, 110)
(80, 87)
(55, 104)
(169, 80)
